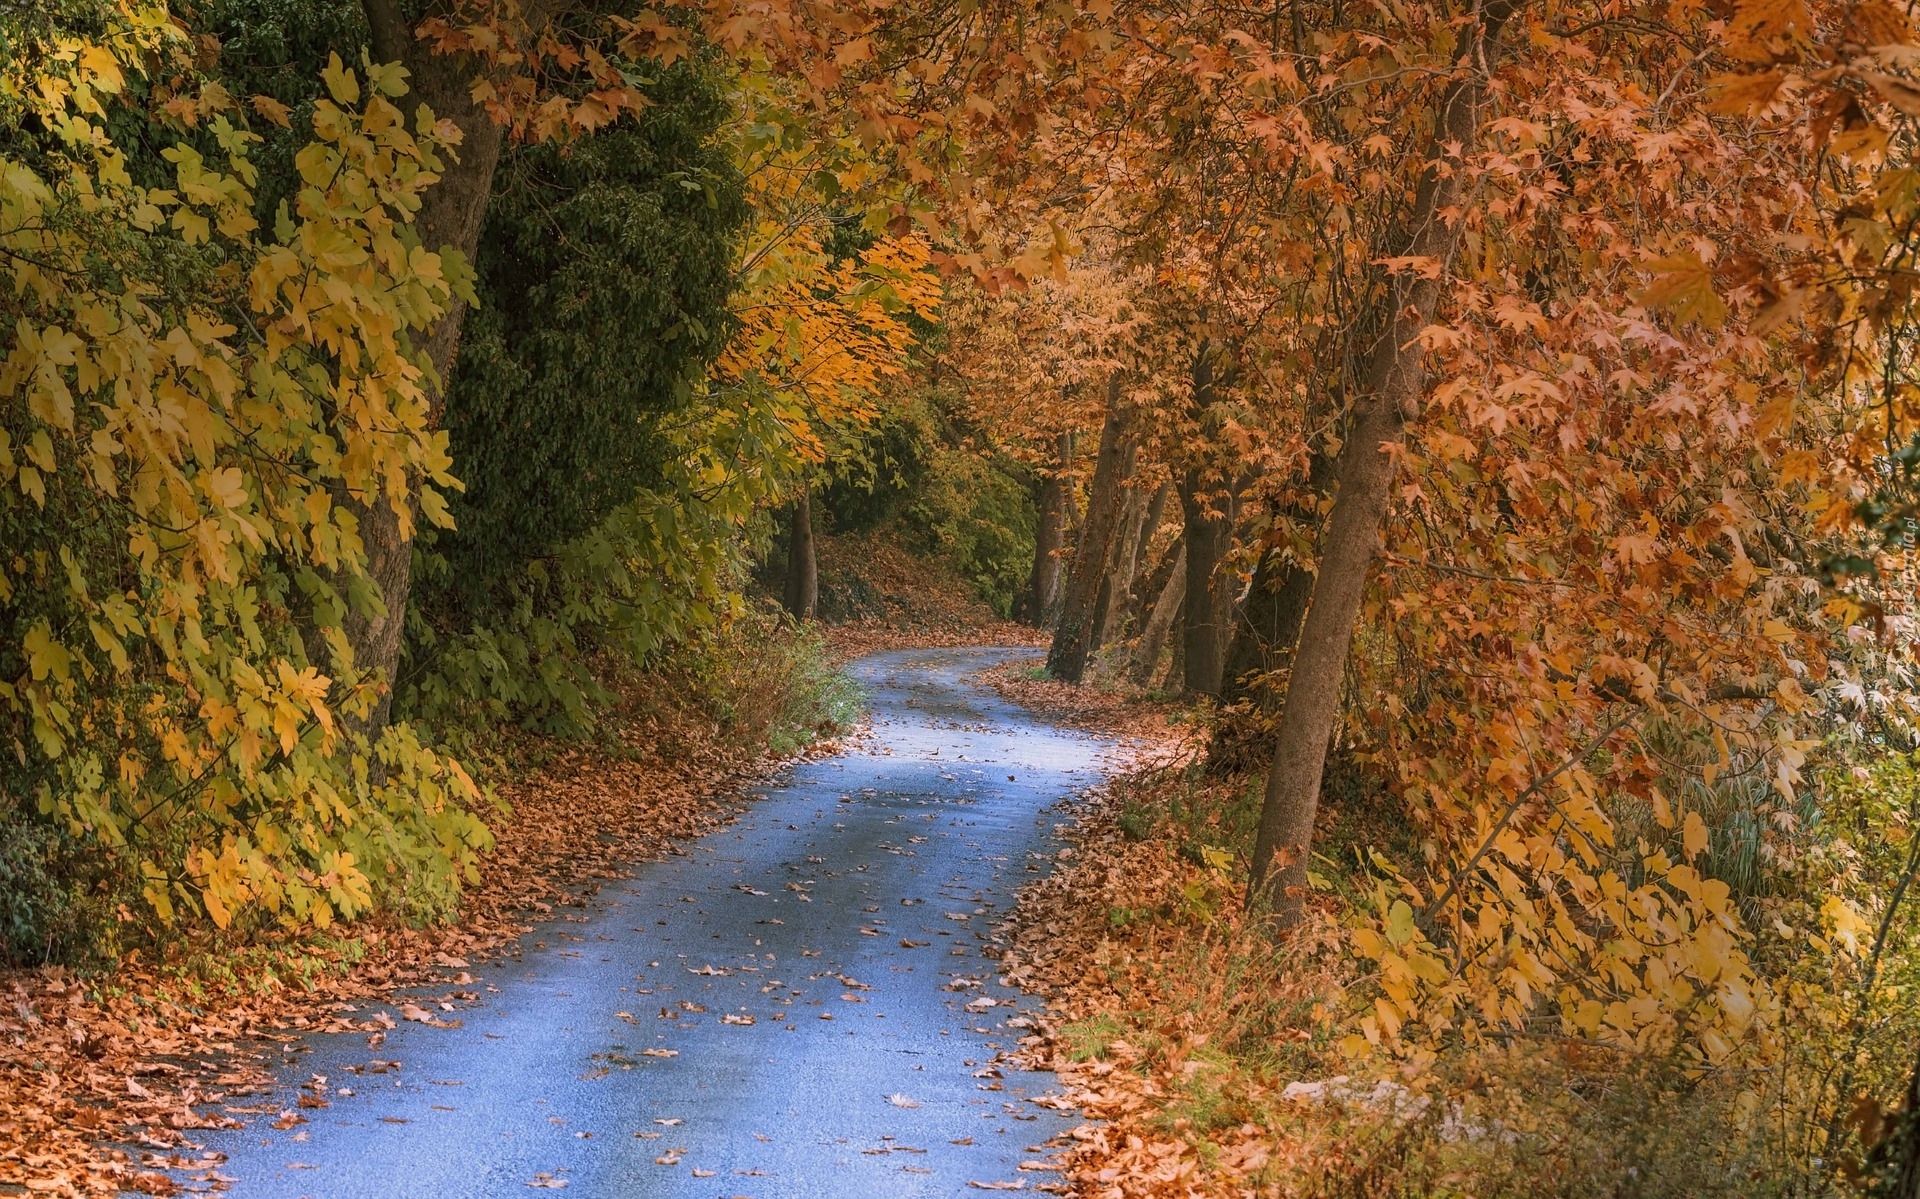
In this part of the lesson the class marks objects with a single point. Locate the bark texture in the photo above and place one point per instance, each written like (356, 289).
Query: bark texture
(1208, 511)
(1126, 564)
(1049, 538)
(1073, 636)
(1392, 380)
(1894, 1163)
(1146, 655)
(1268, 624)
(451, 214)
(1147, 583)
(803, 566)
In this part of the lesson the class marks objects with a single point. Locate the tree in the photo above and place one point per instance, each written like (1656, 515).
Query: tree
(1041, 599)
(1114, 464)
(200, 392)
(802, 594)
(1393, 381)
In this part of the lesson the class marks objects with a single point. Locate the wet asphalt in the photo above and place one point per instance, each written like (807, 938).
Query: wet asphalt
(797, 1007)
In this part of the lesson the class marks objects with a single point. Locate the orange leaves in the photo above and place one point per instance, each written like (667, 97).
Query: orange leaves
(541, 82)
(1684, 285)
(1766, 29)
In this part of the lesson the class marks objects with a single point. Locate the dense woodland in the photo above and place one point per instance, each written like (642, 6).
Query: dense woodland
(1494, 424)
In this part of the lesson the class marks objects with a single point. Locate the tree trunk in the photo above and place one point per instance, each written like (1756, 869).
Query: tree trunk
(1177, 665)
(1269, 622)
(1893, 1161)
(1146, 656)
(1392, 381)
(1146, 585)
(803, 568)
(1073, 637)
(1209, 536)
(1262, 646)
(451, 214)
(1043, 581)
(1126, 563)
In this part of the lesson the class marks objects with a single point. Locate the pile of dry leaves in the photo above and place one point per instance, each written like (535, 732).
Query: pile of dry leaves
(1135, 1012)
(1109, 707)
(1155, 989)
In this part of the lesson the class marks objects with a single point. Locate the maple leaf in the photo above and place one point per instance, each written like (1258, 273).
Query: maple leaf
(1684, 285)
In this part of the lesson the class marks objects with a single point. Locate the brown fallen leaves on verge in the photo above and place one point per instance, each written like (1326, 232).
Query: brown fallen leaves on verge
(166, 1054)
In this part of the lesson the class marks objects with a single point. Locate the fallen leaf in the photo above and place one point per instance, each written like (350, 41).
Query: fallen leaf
(899, 1100)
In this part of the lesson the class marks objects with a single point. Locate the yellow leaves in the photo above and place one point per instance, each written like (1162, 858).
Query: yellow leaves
(46, 657)
(1845, 924)
(342, 84)
(204, 447)
(1693, 835)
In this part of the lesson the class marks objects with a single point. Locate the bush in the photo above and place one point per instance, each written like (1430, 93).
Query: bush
(767, 682)
(54, 899)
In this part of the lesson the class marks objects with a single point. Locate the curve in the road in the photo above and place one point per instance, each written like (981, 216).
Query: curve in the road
(799, 1007)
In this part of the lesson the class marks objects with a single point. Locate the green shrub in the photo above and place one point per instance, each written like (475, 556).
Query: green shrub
(54, 898)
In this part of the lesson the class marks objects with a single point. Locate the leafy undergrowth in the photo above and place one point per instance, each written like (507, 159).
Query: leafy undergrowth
(876, 595)
(1209, 1054)
(103, 1079)
(1212, 1057)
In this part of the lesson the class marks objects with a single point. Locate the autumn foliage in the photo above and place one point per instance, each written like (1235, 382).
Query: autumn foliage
(1500, 411)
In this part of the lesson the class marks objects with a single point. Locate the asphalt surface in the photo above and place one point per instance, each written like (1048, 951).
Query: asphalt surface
(848, 915)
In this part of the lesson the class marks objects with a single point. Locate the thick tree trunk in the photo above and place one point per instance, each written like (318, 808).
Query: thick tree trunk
(1177, 663)
(1262, 647)
(1146, 655)
(1268, 626)
(803, 568)
(1043, 581)
(1073, 637)
(1393, 379)
(1208, 514)
(451, 214)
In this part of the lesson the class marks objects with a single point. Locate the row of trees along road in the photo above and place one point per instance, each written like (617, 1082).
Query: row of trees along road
(1531, 382)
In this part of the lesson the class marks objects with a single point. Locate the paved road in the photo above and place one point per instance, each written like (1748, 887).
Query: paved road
(845, 916)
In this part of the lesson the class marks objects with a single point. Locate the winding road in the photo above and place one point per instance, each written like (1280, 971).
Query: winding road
(803, 1005)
